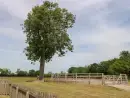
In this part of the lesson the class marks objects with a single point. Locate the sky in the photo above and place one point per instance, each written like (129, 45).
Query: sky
(101, 32)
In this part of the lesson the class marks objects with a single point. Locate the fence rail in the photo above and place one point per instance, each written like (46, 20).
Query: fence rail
(19, 91)
(90, 78)
(116, 79)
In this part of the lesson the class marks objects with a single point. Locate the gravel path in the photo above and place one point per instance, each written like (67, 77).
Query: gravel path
(123, 87)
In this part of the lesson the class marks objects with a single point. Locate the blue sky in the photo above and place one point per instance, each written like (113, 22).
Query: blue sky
(101, 31)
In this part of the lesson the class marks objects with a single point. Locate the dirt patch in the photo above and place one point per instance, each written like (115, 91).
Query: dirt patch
(123, 87)
(30, 80)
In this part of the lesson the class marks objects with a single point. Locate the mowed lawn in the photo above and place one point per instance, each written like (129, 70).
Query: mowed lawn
(72, 90)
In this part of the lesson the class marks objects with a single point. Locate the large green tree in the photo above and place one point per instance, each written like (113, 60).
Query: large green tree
(92, 68)
(46, 32)
(105, 65)
(5, 72)
(122, 65)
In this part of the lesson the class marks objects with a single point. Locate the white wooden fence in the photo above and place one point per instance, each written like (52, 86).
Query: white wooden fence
(90, 78)
(116, 79)
(4, 87)
(18, 91)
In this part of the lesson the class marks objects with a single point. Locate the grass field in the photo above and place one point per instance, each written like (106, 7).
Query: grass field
(71, 90)
(4, 96)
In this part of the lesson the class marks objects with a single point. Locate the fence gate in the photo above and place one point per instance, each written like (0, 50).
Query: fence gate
(115, 79)
(4, 87)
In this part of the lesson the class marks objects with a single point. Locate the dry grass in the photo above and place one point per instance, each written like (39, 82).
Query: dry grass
(129, 82)
(4, 96)
(71, 90)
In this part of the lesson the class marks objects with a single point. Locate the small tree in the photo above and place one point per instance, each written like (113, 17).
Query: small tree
(21, 72)
(46, 31)
(5, 72)
(31, 72)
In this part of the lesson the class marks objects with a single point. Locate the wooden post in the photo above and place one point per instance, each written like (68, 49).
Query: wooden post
(126, 78)
(58, 78)
(73, 76)
(89, 78)
(113, 79)
(102, 79)
(5, 88)
(51, 76)
(10, 90)
(17, 88)
(65, 77)
(76, 76)
(27, 94)
(121, 78)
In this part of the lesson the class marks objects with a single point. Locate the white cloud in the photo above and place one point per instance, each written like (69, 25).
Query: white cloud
(71, 59)
(12, 33)
(18, 8)
(78, 5)
(9, 51)
(108, 40)
(107, 35)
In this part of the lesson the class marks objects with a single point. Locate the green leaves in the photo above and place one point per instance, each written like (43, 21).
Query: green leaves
(122, 65)
(46, 31)
(112, 66)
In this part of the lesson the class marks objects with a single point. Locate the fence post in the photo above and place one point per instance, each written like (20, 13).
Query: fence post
(89, 78)
(10, 90)
(27, 94)
(65, 77)
(121, 78)
(58, 78)
(73, 76)
(126, 77)
(102, 79)
(5, 87)
(51, 76)
(113, 79)
(76, 76)
(17, 88)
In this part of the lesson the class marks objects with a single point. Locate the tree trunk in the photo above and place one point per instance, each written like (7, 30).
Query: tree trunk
(42, 66)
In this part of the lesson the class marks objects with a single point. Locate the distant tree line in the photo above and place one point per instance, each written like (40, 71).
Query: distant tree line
(112, 66)
(19, 72)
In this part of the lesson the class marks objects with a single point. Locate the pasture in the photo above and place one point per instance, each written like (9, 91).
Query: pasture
(72, 90)
(4, 97)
